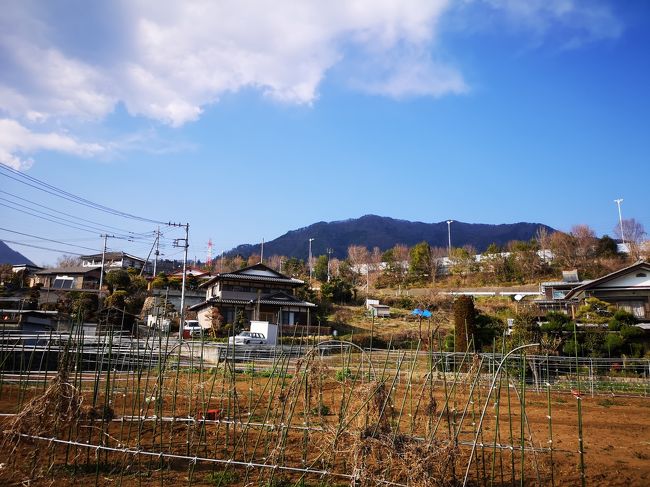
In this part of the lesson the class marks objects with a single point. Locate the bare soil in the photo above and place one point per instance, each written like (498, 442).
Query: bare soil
(378, 436)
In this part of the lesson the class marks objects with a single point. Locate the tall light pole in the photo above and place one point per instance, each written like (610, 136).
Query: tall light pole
(310, 265)
(329, 257)
(449, 222)
(620, 217)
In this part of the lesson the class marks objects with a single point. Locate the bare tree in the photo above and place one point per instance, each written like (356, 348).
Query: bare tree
(275, 262)
(633, 234)
(334, 267)
(68, 261)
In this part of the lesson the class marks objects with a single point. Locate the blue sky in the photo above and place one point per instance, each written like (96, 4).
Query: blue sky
(248, 122)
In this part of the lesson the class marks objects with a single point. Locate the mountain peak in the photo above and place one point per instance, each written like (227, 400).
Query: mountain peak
(386, 232)
(10, 256)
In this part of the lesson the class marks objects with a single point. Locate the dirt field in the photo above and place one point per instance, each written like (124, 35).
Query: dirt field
(416, 433)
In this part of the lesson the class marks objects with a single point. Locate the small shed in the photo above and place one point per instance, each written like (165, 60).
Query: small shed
(376, 309)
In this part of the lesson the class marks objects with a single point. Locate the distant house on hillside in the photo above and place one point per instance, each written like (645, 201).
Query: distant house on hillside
(258, 293)
(112, 260)
(377, 310)
(191, 272)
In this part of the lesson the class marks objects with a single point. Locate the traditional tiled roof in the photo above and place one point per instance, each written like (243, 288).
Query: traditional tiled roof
(67, 270)
(257, 272)
(278, 299)
(601, 280)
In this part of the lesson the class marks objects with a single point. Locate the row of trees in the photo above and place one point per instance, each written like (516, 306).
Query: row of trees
(517, 262)
(610, 332)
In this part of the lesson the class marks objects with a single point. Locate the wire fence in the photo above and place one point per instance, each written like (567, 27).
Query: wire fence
(313, 412)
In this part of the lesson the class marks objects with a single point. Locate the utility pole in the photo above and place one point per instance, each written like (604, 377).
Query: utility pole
(620, 217)
(310, 264)
(157, 253)
(101, 274)
(155, 245)
(186, 245)
(262, 253)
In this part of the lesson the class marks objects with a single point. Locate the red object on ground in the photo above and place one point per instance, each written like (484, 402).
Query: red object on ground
(186, 334)
(212, 414)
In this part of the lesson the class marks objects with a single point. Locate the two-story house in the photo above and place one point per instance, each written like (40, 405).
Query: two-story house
(113, 260)
(259, 293)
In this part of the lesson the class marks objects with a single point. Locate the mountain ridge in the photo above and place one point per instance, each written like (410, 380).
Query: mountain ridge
(385, 232)
(11, 256)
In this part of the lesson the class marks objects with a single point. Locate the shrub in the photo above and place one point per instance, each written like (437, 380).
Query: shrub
(363, 340)
(629, 332)
(225, 477)
(343, 374)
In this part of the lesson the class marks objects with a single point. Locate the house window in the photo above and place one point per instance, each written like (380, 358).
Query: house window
(63, 282)
(642, 274)
(637, 308)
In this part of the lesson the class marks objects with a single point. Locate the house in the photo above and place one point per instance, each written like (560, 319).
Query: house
(376, 309)
(191, 272)
(17, 319)
(28, 269)
(627, 289)
(258, 293)
(112, 260)
(67, 278)
(553, 293)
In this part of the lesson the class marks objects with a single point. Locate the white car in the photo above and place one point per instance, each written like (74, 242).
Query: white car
(248, 338)
(193, 327)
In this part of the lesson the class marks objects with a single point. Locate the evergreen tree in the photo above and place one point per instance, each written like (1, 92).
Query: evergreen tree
(464, 322)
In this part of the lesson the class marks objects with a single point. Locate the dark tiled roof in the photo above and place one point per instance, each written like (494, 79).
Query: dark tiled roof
(587, 285)
(261, 278)
(68, 270)
(269, 300)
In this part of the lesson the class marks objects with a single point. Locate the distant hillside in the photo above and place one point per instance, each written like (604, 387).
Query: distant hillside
(10, 256)
(383, 232)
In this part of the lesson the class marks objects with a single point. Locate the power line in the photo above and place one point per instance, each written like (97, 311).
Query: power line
(42, 248)
(61, 212)
(71, 223)
(53, 190)
(47, 239)
(48, 219)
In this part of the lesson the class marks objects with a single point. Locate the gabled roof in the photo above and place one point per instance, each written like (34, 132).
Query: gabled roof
(258, 272)
(67, 270)
(276, 299)
(640, 266)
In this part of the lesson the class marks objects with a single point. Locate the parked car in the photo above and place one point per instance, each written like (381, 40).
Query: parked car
(192, 328)
(248, 338)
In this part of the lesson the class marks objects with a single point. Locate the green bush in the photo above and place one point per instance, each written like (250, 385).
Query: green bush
(225, 477)
(614, 343)
(343, 374)
(629, 332)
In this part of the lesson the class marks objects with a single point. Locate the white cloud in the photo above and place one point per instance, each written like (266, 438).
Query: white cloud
(168, 61)
(17, 143)
(172, 62)
(583, 21)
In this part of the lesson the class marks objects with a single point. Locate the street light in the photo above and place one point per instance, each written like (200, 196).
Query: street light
(329, 257)
(620, 217)
(310, 265)
(449, 222)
